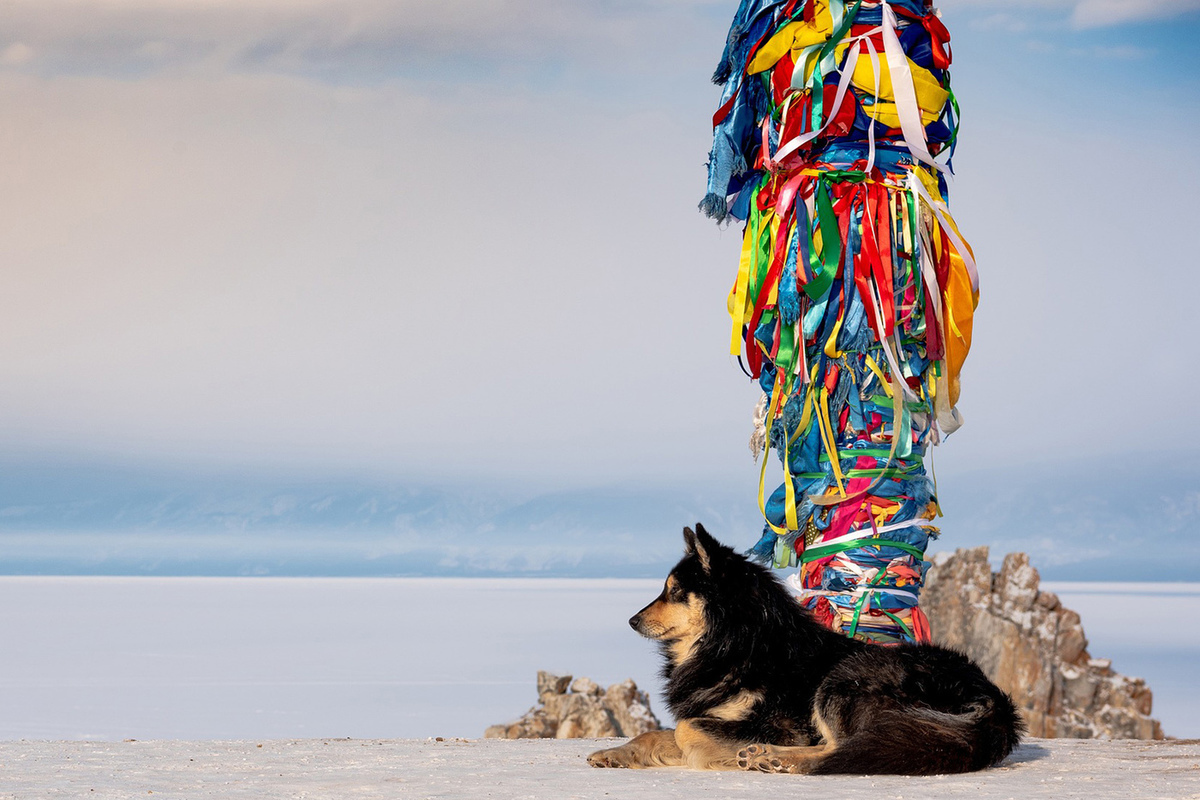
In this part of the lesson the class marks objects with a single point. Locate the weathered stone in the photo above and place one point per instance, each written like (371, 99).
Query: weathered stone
(1072, 644)
(1033, 648)
(1017, 584)
(585, 711)
(1048, 600)
(575, 716)
(549, 683)
(586, 686)
(591, 721)
(531, 726)
(1079, 688)
(630, 708)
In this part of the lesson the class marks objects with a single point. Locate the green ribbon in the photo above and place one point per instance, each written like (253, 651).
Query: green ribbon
(864, 600)
(824, 267)
(864, 473)
(785, 359)
(824, 551)
(954, 105)
(825, 63)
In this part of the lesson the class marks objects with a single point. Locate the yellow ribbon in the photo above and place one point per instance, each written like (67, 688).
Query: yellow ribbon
(793, 37)
(931, 97)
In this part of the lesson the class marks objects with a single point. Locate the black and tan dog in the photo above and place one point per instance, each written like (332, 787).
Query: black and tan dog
(756, 684)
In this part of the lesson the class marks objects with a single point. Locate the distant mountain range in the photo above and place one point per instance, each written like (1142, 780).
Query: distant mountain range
(1100, 519)
(1079, 521)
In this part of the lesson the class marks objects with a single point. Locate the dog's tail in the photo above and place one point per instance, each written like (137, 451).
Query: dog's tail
(923, 741)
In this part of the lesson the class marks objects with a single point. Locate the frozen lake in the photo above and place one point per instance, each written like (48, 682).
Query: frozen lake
(272, 658)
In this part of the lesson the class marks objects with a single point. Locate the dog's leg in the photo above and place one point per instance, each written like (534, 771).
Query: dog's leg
(704, 748)
(802, 760)
(652, 749)
(773, 758)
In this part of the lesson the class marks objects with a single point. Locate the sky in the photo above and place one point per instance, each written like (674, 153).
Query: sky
(458, 239)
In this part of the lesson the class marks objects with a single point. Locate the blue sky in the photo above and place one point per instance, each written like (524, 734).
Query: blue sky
(457, 240)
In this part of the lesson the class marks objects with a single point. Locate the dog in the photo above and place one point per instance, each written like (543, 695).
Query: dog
(756, 684)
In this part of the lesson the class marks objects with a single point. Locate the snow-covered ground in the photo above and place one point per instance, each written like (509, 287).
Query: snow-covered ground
(280, 658)
(551, 769)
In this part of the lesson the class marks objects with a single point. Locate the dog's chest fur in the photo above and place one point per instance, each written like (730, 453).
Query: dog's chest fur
(768, 702)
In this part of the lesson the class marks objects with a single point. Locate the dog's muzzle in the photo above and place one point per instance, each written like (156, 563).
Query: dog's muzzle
(635, 622)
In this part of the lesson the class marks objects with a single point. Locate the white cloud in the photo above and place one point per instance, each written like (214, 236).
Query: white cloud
(1083, 13)
(1120, 52)
(16, 54)
(1000, 22)
(1100, 13)
(123, 36)
(368, 39)
(377, 36)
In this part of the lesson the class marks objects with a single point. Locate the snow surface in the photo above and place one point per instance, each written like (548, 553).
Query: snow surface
(551, 769)
(279, 658)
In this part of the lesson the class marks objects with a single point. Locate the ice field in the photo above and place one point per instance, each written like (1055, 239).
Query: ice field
(283, 658)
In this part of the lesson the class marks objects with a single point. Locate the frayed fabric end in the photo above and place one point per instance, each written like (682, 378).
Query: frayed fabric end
(764, 551)
(714, 207)
(725, 68)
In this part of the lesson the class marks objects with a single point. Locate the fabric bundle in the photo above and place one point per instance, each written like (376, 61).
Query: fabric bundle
(855, 292)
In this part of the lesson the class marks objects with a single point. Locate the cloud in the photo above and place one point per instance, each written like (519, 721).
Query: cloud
(347, 37)
(1001, 22)
(1120, 52)
(1083, 13)
(479, 41)
(1101, 13)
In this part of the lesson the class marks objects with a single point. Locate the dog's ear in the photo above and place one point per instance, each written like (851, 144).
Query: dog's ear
(699, 544)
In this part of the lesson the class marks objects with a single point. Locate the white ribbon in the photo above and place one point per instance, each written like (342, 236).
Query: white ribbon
(904, 91)
(843, 86)
(937, 207)
(874, 108)
(933, 296)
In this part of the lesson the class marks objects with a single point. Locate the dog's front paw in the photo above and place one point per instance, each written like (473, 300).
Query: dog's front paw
(761, 757)
(615, 757)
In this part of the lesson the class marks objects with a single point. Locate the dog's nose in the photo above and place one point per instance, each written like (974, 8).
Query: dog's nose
(635, 621)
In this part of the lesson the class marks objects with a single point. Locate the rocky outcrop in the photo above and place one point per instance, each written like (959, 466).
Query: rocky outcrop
(1033, 648)
(580, 709)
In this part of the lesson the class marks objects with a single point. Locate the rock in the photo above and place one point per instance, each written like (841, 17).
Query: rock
(584, 711)
(578, 716)
(630, 707)
(530, 726)
(587, 686)
(1033, 648)
(548, 683)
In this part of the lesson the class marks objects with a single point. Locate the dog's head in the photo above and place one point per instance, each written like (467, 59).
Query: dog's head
(679, 616)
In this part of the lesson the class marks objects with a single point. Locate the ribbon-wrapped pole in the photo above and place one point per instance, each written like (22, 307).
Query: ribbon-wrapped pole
(855, 291)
